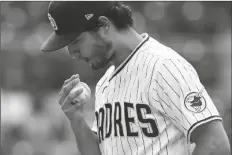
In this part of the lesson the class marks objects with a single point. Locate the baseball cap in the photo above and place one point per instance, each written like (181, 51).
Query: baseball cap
(69, 19)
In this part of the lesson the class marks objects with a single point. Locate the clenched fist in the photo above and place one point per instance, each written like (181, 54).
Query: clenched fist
(68, 97)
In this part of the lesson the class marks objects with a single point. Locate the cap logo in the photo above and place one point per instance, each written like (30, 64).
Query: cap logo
(53, 22)
(88, 16)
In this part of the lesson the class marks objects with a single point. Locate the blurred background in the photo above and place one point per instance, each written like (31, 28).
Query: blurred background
(32, 123)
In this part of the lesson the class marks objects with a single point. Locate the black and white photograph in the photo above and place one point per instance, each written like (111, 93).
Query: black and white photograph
(115, 77)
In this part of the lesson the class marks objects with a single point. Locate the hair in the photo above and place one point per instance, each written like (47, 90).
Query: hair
(120, 14)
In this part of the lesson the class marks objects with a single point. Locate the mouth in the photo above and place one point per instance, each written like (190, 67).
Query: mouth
(86, 60)
(91, 65)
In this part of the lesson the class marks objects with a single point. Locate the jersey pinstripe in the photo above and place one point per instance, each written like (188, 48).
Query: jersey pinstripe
(150, 104)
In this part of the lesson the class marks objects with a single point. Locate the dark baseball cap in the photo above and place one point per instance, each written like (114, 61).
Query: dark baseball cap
(69, 19)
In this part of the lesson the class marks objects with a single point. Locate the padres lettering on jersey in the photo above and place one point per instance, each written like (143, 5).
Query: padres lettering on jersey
(150, 104)
(106, 115)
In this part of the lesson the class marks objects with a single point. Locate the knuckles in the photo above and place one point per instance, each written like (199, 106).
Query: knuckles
(70, 97)
(65, 90)
(65, 97)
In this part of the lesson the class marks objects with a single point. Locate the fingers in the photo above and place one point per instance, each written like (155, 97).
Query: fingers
(70, 79)
(67, 88)
(71, 109)
(69, 99)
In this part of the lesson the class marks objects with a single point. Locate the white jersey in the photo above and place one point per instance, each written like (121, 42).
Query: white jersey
(150, 104)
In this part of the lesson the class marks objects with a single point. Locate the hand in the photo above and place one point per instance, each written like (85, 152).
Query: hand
(66, 98)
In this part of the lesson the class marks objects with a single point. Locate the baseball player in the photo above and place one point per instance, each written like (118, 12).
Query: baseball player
(149, 102)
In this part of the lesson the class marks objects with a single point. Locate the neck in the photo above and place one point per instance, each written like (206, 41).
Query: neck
(125, 44)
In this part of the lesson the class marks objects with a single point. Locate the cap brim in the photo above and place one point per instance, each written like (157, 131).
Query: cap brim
(55, 42)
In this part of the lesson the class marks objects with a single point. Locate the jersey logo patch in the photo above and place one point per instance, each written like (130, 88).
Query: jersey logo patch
(195, 102)
(53, 22)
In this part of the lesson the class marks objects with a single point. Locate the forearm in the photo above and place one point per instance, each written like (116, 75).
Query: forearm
(211, 150)
(87, 141)
(210, 139)
(210, 145)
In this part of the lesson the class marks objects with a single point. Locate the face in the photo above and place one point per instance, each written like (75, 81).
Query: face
(92, 48)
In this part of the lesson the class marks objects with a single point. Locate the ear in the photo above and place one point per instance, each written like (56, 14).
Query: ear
(104, 25)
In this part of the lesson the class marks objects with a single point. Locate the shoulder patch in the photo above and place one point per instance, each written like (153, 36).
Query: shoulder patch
(195, 102)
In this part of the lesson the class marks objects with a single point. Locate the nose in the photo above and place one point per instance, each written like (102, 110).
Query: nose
(73, 52)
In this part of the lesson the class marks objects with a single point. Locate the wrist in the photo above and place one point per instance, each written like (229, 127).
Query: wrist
(75, 114)
(76, 118)
(77, 123)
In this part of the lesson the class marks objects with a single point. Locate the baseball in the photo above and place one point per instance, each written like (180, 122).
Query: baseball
(84, 96)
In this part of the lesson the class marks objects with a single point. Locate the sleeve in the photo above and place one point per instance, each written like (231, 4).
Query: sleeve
(177, 92)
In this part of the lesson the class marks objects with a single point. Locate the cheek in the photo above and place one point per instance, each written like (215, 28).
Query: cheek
(94, 48)
(99, 53)
(87, 50)
(94, 51)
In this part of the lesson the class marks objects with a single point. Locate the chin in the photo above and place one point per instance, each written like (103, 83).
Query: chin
(96, 66)
(99, 64)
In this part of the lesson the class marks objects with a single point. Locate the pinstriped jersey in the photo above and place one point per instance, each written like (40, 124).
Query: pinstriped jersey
(150, 104)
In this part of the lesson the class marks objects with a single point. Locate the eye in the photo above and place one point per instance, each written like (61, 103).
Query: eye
(75, 41)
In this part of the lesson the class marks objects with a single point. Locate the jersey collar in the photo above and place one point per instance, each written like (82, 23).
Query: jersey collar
(123, 64)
